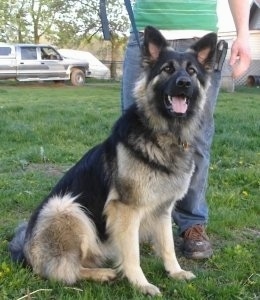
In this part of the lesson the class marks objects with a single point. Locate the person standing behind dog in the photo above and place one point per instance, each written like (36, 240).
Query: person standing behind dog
(181, 23)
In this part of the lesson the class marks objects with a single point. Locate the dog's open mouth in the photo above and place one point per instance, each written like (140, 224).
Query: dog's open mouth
(177, 104)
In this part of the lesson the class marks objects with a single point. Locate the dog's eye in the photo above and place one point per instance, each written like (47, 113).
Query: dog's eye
(191, 70)
(168, 69)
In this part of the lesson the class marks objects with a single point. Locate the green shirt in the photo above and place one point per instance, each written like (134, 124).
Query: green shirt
(176, 14)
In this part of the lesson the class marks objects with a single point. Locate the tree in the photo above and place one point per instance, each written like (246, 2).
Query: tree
(29, 20)
(119, 26)
(86, 23)
(78, 23)
(65, 23)
(13, 21)
(43, 14)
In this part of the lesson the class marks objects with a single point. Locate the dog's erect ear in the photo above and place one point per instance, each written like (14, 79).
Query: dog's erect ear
(154, 42)
(205, 49)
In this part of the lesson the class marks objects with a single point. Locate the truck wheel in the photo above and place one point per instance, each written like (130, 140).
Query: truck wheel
(77, 77)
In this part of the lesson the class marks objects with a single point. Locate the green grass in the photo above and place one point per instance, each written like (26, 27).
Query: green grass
(44, 129)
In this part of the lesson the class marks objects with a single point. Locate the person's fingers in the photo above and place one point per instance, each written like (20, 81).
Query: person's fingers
(240, 66)
(240, 59)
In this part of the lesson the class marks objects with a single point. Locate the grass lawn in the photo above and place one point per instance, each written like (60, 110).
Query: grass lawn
(44, 129)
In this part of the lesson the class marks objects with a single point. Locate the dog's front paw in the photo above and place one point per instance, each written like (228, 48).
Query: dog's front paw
(150, 289)
(108, 275)
(98, 274)
(182, 275)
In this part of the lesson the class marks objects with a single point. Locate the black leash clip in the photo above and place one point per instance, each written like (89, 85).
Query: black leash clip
(222, 47)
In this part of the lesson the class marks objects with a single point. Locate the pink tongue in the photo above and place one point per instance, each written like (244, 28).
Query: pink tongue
(179, 105)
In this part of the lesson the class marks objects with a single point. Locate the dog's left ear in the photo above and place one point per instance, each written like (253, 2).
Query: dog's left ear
(205, 49)
(153, 44)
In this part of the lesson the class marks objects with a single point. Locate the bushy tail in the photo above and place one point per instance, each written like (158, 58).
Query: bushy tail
(17, 243)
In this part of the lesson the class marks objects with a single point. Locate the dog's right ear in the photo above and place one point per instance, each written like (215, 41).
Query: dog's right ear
(154, 42)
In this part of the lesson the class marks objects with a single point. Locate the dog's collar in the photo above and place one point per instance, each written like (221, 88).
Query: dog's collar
(183, 144)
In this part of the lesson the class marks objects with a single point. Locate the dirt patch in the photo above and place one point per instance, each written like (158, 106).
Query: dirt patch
(254, 233)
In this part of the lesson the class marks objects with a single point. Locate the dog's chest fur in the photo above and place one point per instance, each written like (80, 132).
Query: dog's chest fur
(166, 179)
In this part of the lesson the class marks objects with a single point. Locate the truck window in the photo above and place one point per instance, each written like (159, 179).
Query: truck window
(28, 53)
(49, 53)
(5, 51)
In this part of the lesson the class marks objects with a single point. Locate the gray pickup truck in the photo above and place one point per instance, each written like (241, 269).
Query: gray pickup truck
(36, 62)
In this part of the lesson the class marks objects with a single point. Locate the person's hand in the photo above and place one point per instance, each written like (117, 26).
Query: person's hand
(240, 57)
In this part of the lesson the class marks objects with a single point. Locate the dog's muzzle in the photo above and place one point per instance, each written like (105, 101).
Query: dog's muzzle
(177, 100)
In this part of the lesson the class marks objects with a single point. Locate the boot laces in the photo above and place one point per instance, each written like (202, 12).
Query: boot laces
(196, 233)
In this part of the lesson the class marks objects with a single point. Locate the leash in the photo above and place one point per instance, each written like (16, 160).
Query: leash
(132, 20)
(105, 24)
(104, 20)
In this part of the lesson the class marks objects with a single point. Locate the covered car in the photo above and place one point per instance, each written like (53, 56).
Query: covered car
(96, 67)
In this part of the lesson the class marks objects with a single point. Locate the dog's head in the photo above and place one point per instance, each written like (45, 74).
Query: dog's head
(173, 84)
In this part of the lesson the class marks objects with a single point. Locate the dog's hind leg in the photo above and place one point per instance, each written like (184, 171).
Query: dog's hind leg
(123, 224)
(164, 245)
(64, 244)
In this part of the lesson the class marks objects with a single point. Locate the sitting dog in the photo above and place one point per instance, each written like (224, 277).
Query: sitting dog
(124, 190)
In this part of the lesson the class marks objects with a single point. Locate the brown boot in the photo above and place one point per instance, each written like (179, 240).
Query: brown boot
(196, 244)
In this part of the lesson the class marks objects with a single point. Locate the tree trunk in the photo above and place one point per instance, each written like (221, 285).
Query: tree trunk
(115, 47)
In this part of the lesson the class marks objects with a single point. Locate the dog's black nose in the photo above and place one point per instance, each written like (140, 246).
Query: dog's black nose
(183, 82)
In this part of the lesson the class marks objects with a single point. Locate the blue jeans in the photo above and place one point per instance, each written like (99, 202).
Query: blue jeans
(192, 209)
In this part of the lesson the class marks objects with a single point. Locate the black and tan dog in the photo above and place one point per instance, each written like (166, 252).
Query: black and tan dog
(124, 189)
